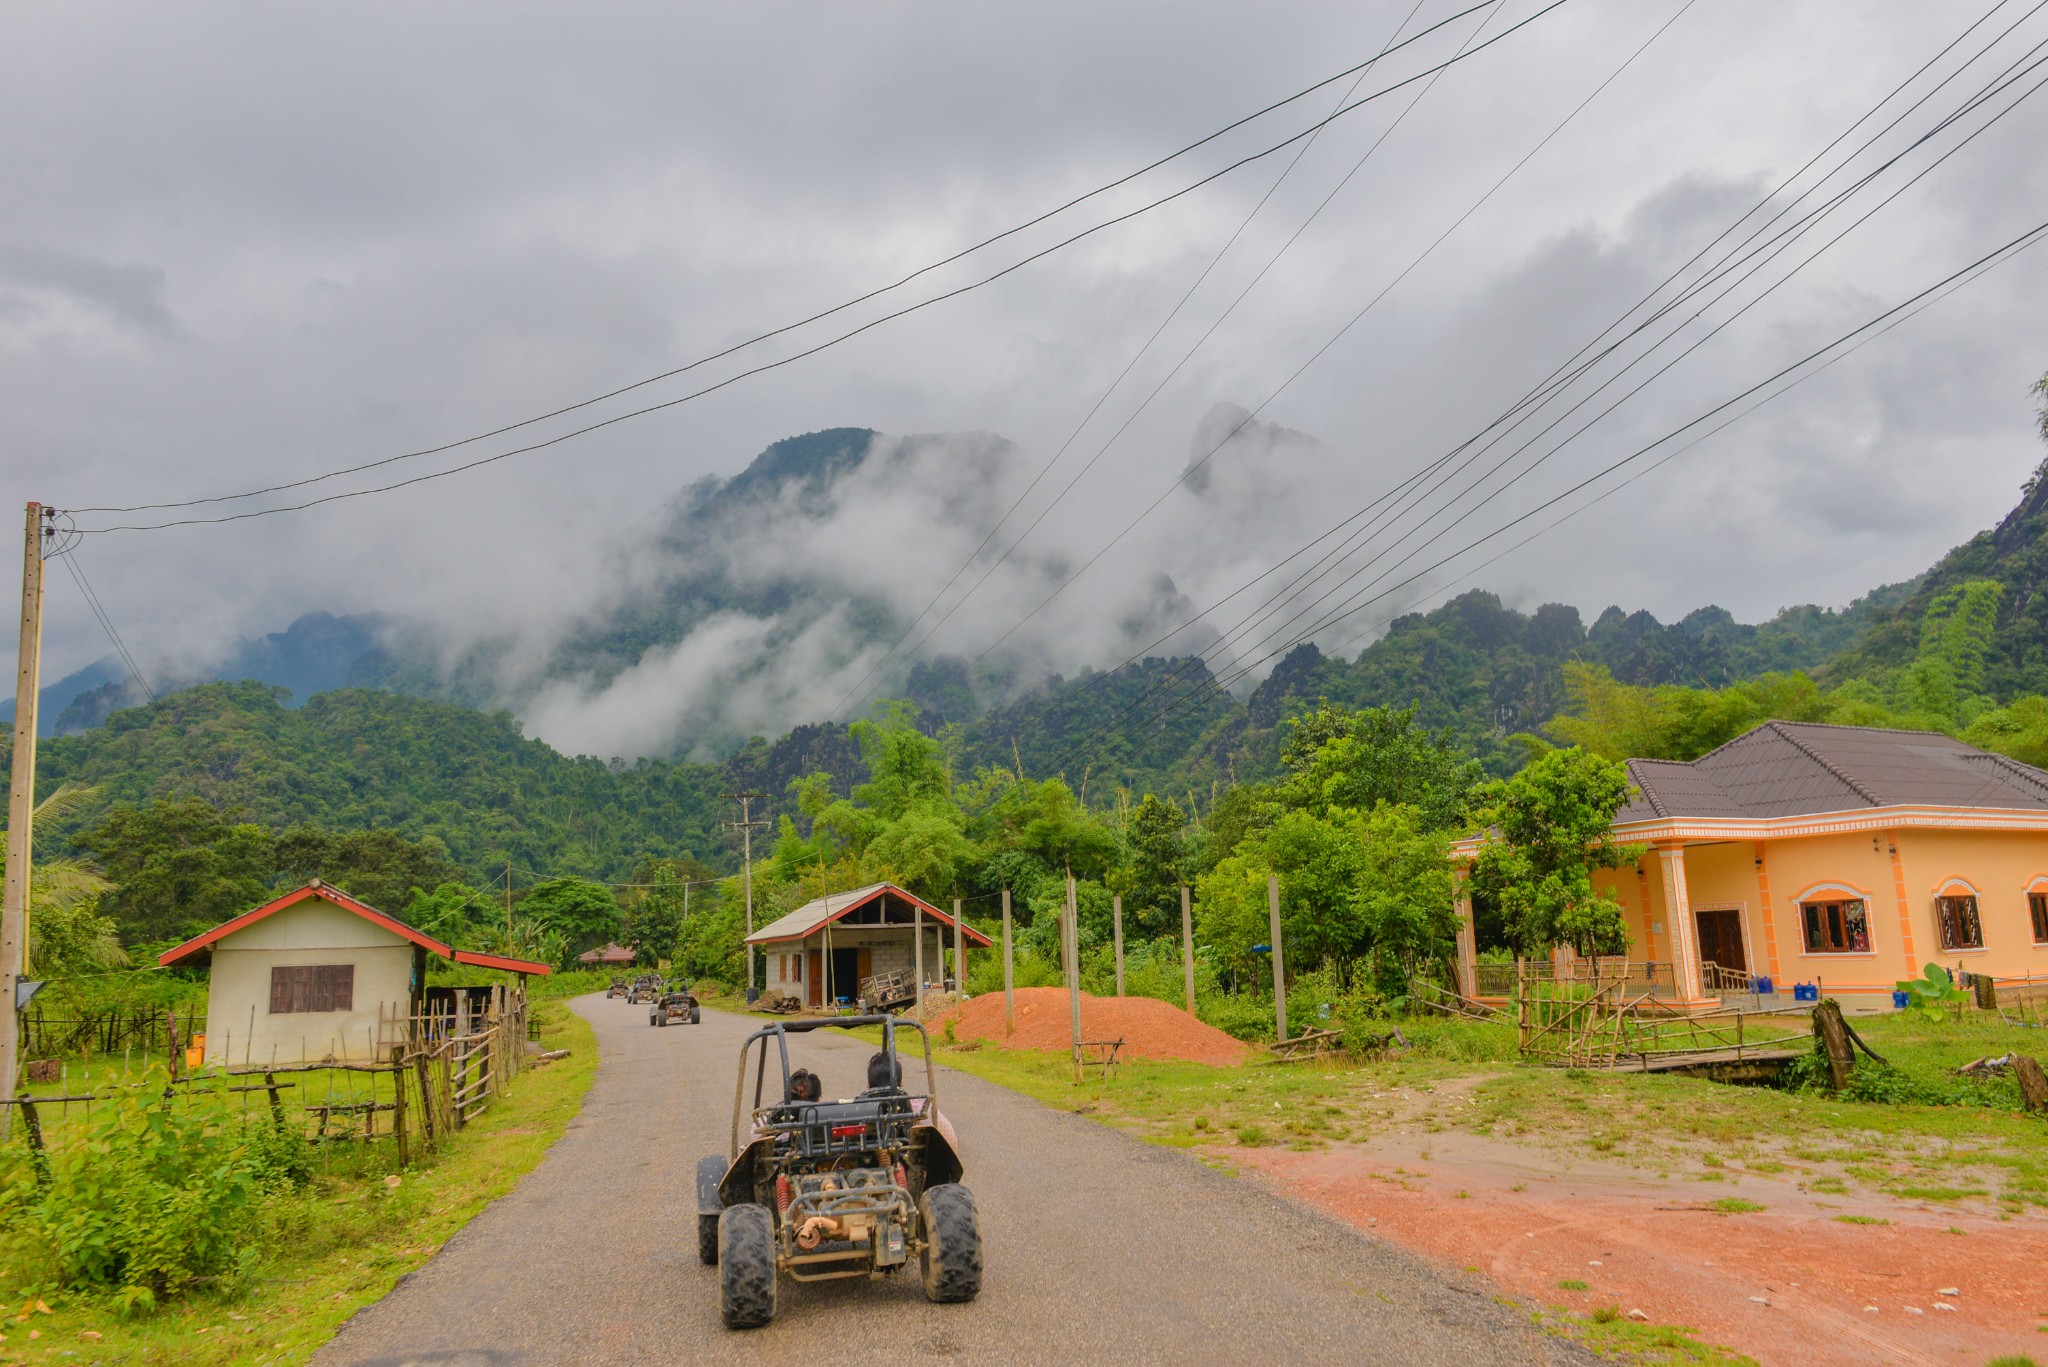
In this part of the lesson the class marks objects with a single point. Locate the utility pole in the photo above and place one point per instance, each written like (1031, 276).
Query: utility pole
(746, 825)
(1009, 973)
(21, 801)
(1279, 966)
(508, 906)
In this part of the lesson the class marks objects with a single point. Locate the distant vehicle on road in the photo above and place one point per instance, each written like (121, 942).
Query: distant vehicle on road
(816, 1190)
(646, 988)
(617, 989)
(673, 1006)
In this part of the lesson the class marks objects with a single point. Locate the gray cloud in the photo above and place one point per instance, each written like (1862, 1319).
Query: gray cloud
(242, 247)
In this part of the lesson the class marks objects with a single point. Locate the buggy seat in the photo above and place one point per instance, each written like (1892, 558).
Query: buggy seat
(819, 1129)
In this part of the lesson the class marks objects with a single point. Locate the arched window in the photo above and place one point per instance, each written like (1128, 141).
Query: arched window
(1834, 919)
(1956, 918)
(2037, 907)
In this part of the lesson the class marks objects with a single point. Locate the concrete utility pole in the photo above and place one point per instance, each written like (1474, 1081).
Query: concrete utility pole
(1009, 973)
(21, 801)
(1116, 921)
(508, 906)
(746, 825)
(917, 947)
(1279, 972)
(1187, 946)
(959, 951)
(1073, 937)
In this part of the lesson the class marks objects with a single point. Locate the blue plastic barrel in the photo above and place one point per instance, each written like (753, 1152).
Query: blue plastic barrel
(1765, 987)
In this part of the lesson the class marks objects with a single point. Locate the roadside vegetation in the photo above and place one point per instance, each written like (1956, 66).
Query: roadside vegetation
(199, 1232)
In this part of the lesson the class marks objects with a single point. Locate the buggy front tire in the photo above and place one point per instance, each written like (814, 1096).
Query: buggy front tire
(952, 1244)
(746, 1266)
(696, 1016)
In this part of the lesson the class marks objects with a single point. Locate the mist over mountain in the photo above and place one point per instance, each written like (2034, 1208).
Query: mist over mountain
(769, 601)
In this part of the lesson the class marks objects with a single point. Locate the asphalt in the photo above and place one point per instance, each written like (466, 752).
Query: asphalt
(1098, 1248)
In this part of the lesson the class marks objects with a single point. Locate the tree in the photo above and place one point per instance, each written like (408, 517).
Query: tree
(456, 914)
(180, 866)
(583, 913)
(377, 866)
(1357, 760)
(1319, 863)
(1548, 827)
(656, 922)
(1405, 892)
(1153, 866)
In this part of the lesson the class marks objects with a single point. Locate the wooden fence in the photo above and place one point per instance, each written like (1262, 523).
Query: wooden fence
(431, 1074)
(1604, 1021)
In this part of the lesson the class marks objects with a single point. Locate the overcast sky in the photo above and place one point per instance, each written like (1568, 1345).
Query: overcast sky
(245, 244)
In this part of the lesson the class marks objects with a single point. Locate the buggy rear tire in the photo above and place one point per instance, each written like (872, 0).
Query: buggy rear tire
(952, 1244)
(746, 1266)
(696, 1016)
(707, 1239)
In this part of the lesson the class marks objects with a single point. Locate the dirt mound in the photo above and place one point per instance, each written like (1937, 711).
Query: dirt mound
(1149, 1028)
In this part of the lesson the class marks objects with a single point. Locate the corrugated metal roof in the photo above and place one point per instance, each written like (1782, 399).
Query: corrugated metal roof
(797, 924)
(1806, 768)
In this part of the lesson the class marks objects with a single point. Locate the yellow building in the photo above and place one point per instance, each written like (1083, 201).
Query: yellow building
(1842, 856)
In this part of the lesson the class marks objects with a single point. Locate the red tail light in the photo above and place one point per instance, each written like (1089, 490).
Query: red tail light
(848, 1131)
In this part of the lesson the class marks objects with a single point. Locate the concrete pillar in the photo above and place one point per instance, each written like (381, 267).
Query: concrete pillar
(1679, 925)
(1468, 946)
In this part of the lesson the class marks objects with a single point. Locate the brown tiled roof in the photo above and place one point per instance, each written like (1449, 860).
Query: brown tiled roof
(1787, 768)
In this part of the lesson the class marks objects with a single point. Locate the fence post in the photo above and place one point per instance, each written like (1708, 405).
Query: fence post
(1187, 946)
(398, 1104)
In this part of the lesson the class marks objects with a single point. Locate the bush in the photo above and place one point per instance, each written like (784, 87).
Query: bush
(159, 1195)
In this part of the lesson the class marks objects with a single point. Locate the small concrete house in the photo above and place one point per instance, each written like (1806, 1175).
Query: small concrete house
(1843, 856)
(314, 975)
(827, 946)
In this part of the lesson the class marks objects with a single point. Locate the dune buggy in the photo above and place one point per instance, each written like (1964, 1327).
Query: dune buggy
(645, 988)
(817, 1190)
(672, 1006)
(617, 989)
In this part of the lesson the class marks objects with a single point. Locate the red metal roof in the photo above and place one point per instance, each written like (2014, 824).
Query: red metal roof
(316, 888)
(610, 954)
(470, 956)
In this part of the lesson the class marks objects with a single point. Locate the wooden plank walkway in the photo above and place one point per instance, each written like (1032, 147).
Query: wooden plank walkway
(1676, 1061)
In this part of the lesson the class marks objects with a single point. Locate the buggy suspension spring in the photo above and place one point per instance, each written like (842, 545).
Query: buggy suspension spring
(782, 1194)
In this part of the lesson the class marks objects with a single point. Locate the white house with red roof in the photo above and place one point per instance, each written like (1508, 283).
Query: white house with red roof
(313, 975)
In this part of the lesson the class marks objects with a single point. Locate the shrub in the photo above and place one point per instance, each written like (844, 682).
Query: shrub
(159, 1194)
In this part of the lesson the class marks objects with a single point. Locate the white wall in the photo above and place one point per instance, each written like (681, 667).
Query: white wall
(239, 1026)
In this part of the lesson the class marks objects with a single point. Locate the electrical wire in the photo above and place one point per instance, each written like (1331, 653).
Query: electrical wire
(772, 365)
(1999, 256)
(1189, 355)
(1114, 384)
(1189, 666)
(92, 600)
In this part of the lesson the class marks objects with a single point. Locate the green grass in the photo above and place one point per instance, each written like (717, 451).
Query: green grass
(1612, 1335)
(1861, 1220)
(1573, 1284)
(1735, 1205)
(337, 1248)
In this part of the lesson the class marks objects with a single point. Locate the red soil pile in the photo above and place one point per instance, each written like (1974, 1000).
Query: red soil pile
(1149, 1028)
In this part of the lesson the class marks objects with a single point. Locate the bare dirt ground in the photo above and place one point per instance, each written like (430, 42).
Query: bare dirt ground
(1792, 1283)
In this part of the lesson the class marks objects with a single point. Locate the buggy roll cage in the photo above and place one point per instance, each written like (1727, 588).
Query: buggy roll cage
(780, 1032)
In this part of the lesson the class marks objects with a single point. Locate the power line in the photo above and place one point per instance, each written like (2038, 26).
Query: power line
(1114, 384)
(1158, 388)
(1545, 390)
(1989, 261)
(92, 600)
(1541, 397)
(776, 364)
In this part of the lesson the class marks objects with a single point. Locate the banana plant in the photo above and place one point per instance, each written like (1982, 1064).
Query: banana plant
(1932, 994)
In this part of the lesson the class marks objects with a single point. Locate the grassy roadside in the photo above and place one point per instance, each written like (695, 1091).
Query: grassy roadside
(339, 1247)
(1912, 1131)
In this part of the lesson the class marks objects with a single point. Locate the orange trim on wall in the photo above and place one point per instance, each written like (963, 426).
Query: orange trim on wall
(1905, 907)
(1770, 913)
(1969, 889)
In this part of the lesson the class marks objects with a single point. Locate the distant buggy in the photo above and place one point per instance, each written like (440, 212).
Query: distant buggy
(646, 988)
(674, 1007)
(617, 989)
(817, 1190)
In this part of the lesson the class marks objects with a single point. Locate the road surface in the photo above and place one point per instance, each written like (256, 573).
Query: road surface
(1098, 1248)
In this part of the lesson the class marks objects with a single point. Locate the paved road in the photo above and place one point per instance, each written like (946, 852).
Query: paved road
(1098, 1249)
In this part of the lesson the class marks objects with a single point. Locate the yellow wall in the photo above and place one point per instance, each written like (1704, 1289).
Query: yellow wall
(1999, 865)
